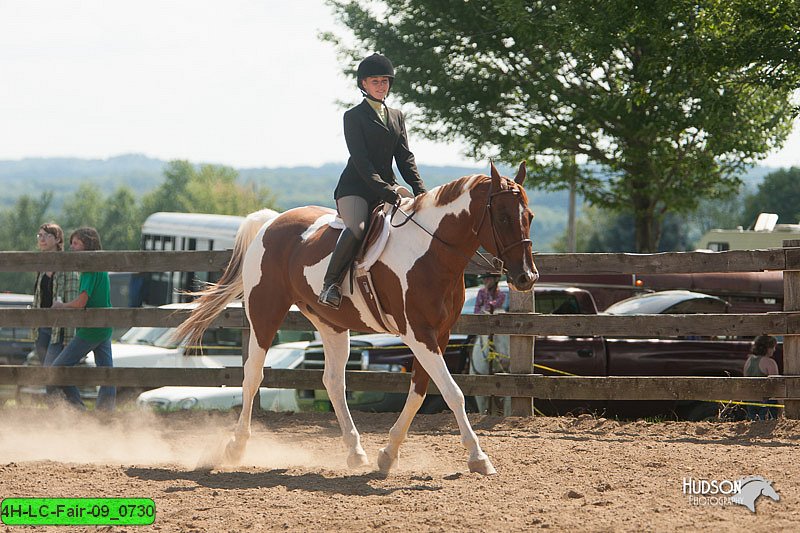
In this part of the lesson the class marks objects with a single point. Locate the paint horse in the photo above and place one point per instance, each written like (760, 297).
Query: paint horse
(418, 279)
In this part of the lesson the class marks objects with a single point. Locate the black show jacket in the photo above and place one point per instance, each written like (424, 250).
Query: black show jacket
(372, 145)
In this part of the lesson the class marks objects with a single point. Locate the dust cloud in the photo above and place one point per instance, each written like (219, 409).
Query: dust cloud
(141, 438)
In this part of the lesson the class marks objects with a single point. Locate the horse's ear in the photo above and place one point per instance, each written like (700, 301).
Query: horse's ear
(521, 174)
(495, 175)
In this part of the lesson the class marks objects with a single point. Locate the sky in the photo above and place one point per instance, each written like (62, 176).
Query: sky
(245, 83)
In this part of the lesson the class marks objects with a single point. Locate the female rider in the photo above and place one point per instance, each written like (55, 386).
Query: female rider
(375, 134)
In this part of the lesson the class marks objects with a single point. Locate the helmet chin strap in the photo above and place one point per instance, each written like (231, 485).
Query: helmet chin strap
(370, 97)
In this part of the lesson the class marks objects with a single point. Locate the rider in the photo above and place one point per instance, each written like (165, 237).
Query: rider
(374, 134)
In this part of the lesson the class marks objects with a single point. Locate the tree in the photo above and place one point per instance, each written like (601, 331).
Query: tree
(171, 194)
(122, 221)
(18, 225)
(669, 99)
(599, 230)
(207, 189)
(84, 207)
(779, 193)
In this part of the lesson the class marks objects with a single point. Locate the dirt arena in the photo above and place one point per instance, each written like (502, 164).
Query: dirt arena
(576, 474)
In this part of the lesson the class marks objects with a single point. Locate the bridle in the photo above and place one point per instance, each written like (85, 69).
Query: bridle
(495, 263)
(501, 250)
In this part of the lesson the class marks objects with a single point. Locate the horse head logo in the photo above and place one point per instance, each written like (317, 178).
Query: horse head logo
(752, 488)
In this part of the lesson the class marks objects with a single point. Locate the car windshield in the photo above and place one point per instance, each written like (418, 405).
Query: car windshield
(654, 304)
(161, 337)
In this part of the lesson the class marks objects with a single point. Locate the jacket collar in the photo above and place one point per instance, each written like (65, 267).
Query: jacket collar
(366, 108)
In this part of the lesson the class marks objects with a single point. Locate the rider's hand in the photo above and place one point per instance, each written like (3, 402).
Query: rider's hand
(390, 196)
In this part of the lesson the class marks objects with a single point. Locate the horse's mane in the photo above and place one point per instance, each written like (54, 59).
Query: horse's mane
(446, 193)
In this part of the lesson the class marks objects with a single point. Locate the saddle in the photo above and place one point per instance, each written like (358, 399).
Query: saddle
(371, 248)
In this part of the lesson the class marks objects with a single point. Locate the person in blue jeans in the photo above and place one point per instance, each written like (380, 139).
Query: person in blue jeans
(49, 287)
(93, 292)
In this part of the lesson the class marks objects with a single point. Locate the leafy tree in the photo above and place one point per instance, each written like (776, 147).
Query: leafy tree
(171, 194)
(209, 189)
(779, 193)
(122, 221)
(669, 99)
(18, 226)
(599, 230)
(84, 207)
(214, 189)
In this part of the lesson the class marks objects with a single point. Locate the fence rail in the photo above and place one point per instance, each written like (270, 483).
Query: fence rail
(521, 326)
(529, 324)
(595, 263)
(517, 385)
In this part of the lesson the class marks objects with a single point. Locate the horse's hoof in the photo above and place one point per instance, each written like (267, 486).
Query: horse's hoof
(357, 460)
(385, 462)
(234, 452)
(211, 458)
(482, 466)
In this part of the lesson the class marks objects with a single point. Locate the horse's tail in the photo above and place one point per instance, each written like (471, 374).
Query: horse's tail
(211, 301)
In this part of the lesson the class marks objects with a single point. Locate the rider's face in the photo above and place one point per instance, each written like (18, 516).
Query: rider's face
(376, 86)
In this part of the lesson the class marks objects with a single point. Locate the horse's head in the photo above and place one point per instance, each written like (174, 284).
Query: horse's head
(505, 225)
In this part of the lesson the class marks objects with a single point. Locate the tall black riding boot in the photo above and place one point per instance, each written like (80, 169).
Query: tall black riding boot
(343, 255)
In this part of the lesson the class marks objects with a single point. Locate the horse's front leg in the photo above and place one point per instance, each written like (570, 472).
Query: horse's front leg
(337, 351)
(433, 362)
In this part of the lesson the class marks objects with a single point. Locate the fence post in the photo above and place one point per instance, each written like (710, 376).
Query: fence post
(791, 343)
(521, 349)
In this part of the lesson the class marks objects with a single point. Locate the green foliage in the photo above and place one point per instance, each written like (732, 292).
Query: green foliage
(118, 216)
(207, 189)
(779, 193)
(599, 230)
(18, 227)
(669, 99)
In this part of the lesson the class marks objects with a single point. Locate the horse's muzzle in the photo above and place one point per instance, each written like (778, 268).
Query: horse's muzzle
(524, 281)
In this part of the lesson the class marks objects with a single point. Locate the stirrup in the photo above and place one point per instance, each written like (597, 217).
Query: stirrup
(331, 296)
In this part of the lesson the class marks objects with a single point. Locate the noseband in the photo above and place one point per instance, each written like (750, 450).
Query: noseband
(497, 262)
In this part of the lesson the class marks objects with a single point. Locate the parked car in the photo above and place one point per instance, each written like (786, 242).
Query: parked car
(15, 342)
(155, 347)
(575, 355)
(286, 355)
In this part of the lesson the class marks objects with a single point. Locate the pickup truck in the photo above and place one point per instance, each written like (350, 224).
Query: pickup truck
(560, 355)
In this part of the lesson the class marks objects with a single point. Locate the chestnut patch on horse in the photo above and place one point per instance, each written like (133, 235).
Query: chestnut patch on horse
(390, 294)
(449, 192)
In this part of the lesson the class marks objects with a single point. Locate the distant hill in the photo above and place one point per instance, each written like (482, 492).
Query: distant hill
(293, 186)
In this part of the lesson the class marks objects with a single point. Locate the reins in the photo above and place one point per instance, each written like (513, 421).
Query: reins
(495, 263)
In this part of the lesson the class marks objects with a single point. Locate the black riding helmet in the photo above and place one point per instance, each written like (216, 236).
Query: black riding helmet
(375, 65)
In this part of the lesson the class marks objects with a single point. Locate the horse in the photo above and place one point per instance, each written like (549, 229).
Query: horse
(418, 280)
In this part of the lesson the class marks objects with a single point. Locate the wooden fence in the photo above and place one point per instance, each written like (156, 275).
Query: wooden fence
(520, 322)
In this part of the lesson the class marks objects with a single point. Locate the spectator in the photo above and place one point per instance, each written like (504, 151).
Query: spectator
(93, 292)
(761, 364)
(50, 287)
(490, 297)
(490, 352)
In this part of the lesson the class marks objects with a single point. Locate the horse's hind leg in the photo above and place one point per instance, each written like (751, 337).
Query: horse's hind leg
(388, 456)
(253, 375)
(337, 351)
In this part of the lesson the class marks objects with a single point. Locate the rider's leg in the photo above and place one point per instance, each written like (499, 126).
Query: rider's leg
(354, 212)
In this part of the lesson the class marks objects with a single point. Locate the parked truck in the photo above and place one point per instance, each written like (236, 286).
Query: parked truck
(569, 355)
